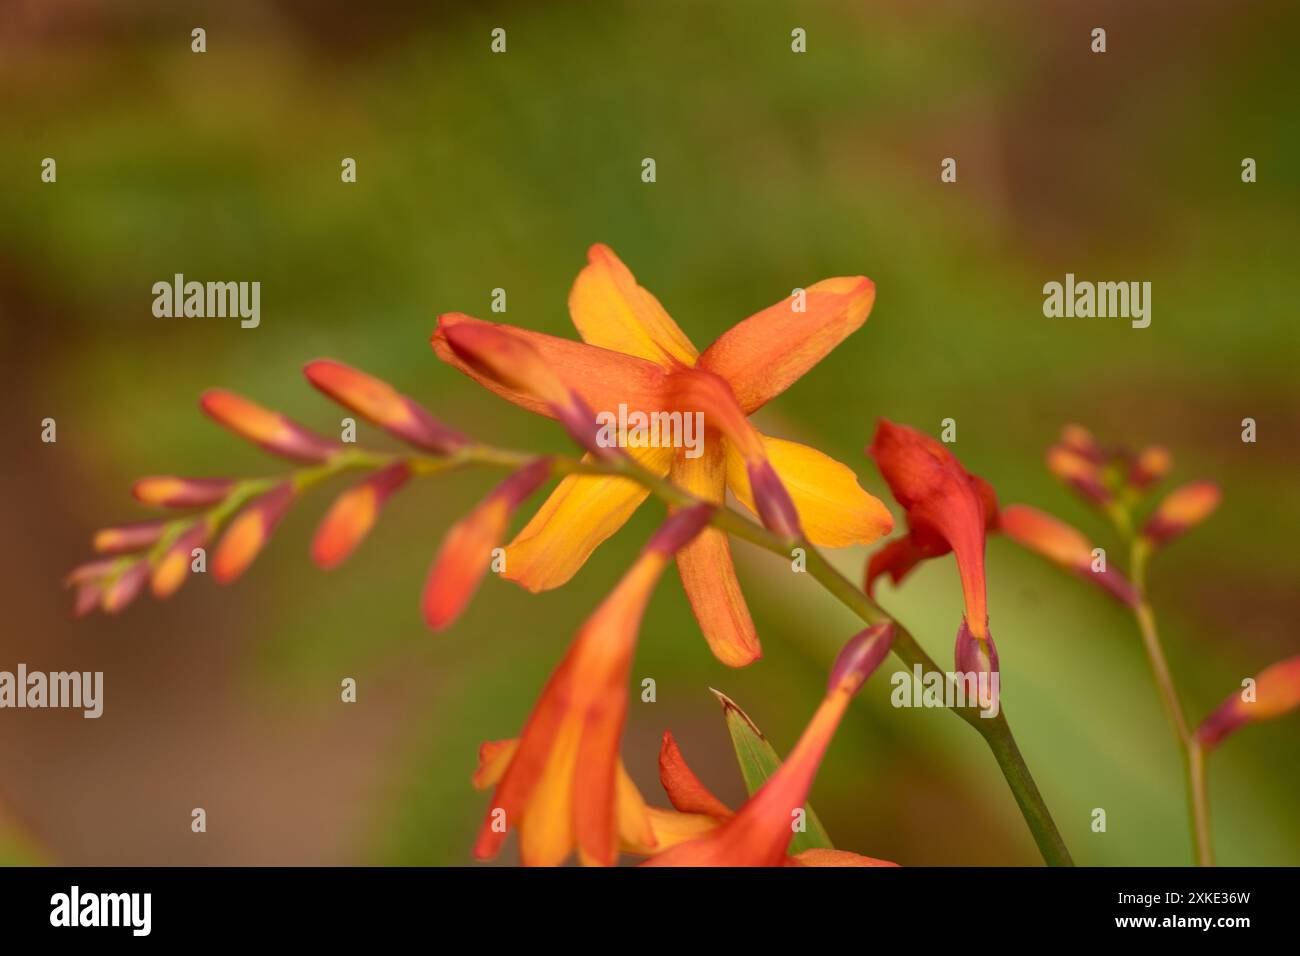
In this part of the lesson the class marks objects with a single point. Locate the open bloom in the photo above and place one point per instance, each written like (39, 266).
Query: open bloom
(759, 834)
(635, 355)
(561, 787)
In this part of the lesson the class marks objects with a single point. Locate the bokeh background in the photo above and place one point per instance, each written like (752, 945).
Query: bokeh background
(479, 171)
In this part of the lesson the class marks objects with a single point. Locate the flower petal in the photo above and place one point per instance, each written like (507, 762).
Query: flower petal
(766, 353)
(684, 789)
(822, 857)
(834, 510)
(602, 377)
(707, 572)
(576, 519)
(611, 311)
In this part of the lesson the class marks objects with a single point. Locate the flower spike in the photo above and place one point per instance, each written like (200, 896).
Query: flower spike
(269, 430)
(384, 405)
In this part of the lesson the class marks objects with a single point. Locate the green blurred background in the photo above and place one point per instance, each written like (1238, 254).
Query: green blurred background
(478, 171)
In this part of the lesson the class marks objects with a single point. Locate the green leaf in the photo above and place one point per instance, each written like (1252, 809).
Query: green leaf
(758, 761)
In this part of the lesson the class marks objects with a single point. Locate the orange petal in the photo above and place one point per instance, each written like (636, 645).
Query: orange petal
(611, 311)
(466, 552)
(602, 377)
(671, 827)
(1277, 691)
(579, 515)
(494, 757)
(248, 533)
(707, 572)
(763, 355)
(353, 514)
(898, 559)
(269, 430)
(1182, 509)
(828, 857)
(382, 404)
(684, 789)
(833, 509)
(169, 492)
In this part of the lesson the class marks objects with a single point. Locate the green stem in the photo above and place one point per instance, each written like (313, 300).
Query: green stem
(1193, 757)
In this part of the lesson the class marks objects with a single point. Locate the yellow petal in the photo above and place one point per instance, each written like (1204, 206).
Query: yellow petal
(546, 832)
(610, 310)
(707, 572)
(635, 828)
(580, 513)
(834, 510)
(672, 827)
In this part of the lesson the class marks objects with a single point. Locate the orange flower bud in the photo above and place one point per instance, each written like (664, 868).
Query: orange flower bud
(353, 514)
(1182, 509)
(248, 533)
(269, 430)
(382, 404)
(166, 491)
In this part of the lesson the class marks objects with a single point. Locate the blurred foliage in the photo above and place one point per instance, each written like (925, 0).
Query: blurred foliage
(774, 170)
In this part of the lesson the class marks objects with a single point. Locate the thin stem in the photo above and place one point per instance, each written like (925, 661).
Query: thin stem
(1193, 757)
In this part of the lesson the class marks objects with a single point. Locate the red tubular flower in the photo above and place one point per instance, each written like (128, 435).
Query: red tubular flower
(248, 533)
(467, 549)
(128, 537)
(1277, 691)
(353, 514)
(1063, 545)
(1182, 509)
(170, 492)
(561, 788)
(269, 430)
(170, 571)
(384, 405)
(947, 509)
(760, 832)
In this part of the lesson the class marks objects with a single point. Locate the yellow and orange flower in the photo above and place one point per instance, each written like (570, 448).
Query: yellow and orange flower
(561, 785)
(633, 353)
(759, 834)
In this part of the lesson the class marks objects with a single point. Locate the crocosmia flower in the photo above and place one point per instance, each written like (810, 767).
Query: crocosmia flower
(561, 788)
(1276, 691)
(633, 354)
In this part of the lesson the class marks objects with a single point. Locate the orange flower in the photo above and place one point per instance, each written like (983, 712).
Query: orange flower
(948, 509)
(760, 832)
(1182, 509)
(353, 514)
(248, 533)
(269, 430)
(1062, 544)
(561, 787)
(383, 405)
(1277, 691)
(633, 353)
(467, 549)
